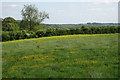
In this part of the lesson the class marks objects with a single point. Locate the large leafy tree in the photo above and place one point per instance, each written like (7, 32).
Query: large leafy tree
(8, 20)
(9, 24)
(32, 16)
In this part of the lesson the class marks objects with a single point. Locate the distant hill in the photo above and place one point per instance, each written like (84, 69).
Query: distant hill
(89, 23)
(103, 24)
(79, 25)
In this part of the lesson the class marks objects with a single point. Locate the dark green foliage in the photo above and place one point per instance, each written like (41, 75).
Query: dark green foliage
(32, 34)
(14, 30)
(5, 36)
(24, 25)
(84, 30)
(15, 35)
(40, 33)
(8, 20)
(50, 32)
(10, 27)
(9, 24)
(62, 31)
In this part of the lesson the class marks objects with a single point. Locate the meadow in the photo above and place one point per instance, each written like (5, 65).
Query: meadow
(67, 56)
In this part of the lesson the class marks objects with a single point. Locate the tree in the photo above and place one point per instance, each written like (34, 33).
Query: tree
(85, 29)
(24, 25)
(8, 20)
(32, 16)
(9, 24)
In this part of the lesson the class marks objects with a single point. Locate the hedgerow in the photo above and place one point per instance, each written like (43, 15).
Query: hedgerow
(25, 34)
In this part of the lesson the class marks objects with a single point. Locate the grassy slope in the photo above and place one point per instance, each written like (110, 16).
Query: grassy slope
(77, 56)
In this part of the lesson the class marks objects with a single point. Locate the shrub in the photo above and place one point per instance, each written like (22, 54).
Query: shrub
(9, 24)
(62, 31)
(24, 25)
(40, 33)
(32, 34)
(50, 32)
(14, 35)
(5, 36)
(10, 27)
(84, 30)
(8, 20)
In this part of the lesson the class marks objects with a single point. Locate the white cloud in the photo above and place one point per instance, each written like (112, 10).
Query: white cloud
(12, 5)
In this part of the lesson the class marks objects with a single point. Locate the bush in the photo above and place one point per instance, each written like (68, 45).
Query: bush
(10, 27)
(5, 36)
(8, 20)
(14, 35)
(50, 32)
(62, 31)
(40, 33)
(24, 25)
(32, 34)
(9, 24)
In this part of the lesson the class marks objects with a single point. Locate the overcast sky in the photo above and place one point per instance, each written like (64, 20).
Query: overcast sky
(67, 12)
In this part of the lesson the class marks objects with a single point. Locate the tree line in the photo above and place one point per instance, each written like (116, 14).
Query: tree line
(31, 26)
(25, 34)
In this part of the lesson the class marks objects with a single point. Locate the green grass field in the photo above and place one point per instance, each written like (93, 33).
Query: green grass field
(71, 56)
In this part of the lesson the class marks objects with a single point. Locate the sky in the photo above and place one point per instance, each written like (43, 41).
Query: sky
(59, 1)
(67, 12)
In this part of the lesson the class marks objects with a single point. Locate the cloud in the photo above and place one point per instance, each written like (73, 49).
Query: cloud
(12, 5)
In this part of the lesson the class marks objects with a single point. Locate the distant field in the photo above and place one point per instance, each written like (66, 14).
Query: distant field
(71, 56)
(79, 25)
